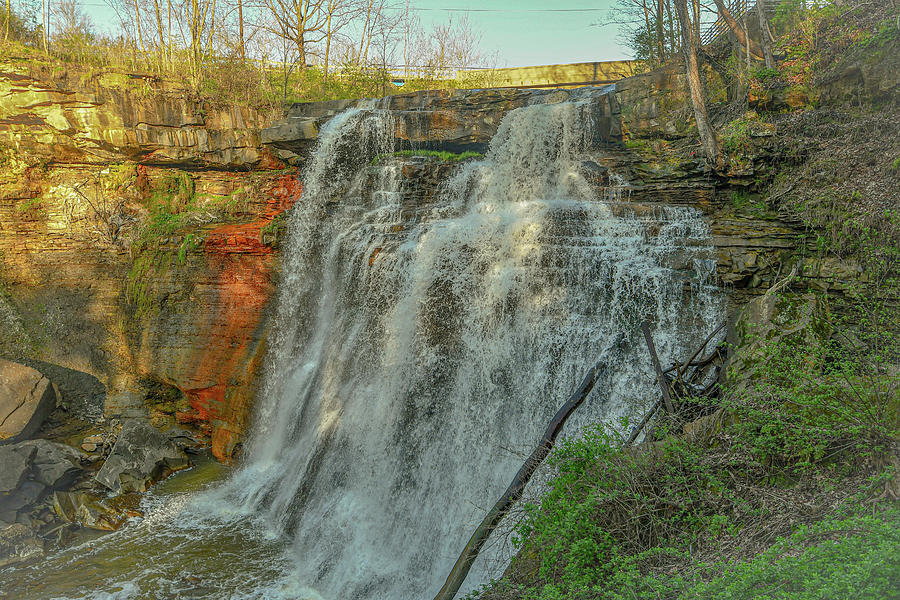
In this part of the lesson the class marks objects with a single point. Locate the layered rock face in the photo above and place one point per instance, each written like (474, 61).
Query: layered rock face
(73, 206)
(138, 236)
(106, 125)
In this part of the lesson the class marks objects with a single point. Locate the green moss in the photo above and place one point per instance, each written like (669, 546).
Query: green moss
(440, 155)
(272, 231)
(139, 286)
(31, 206)
(190, 243)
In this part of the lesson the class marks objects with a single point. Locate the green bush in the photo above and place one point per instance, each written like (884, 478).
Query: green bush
(855, 557)
(609, 514)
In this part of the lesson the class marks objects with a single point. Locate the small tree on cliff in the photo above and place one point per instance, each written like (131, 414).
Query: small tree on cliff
(690, 44)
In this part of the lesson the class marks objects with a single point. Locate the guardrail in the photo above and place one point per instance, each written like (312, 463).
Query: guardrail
(737, 8)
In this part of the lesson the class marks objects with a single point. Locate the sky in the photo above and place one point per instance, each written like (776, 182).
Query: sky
(515, 32)
(535, 32)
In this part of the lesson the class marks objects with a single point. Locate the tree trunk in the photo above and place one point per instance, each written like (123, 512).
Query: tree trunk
(698, 97)
(159, 24)
(8, 19)
(764, 34)
(137, 22)
(673, 43)
(301, 30)
(328, 39)
(660, 40)
(646, 22)
(169, 34)
(241, 27)
(45, 23)
(739, 32)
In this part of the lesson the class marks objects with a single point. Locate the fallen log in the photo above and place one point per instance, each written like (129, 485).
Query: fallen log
(461, 568)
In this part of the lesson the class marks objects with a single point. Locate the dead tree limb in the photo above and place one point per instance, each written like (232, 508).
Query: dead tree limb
(667, 397)
(640, 426)
(517, 487)
(742, 36)
(700, 349)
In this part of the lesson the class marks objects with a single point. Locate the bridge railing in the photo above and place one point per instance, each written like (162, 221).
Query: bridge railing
(737, 8)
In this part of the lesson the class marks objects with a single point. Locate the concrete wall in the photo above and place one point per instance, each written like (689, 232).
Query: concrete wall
(571, 75)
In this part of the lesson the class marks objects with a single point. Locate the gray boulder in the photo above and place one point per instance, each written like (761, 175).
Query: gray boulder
(26, 398)
(141, 456)
(31, 469)
(16, 463)
(54, 465)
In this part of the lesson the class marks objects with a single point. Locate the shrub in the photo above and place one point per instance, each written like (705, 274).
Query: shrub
(853, 557)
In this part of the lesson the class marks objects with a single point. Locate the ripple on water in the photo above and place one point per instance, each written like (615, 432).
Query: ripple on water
(187, 546)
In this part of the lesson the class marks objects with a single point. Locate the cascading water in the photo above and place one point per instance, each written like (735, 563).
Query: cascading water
(422, 344)
(417, 342)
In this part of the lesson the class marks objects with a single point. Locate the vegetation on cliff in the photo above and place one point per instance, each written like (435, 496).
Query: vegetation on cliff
(262, 56)
(786, 484)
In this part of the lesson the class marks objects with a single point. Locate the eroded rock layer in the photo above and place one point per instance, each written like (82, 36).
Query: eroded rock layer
(139, 235)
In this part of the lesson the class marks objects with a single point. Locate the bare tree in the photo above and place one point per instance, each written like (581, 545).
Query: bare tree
(201, 17)
(299, 21)
(690, 44)
(764, 34)
(70, 19)
(741, 35)
(45, 24)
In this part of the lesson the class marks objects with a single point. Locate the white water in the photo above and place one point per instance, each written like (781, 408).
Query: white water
(421, 346)
(419, 343)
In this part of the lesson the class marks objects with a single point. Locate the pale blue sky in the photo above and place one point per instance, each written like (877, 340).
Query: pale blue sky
(521, 35)
(517, 32)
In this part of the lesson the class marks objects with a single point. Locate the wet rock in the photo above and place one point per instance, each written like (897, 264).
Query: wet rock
(141, 456)
(26, 398)
(92, 443)
(31, 470)
(16, 463)
(56, 466)
(92, 510)
(18, 544)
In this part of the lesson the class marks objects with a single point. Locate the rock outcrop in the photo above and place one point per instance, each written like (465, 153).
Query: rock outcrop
(173, 329)
(141, 456)
(26, 398)
(101, 124)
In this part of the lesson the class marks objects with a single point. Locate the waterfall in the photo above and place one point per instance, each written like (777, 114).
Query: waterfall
(421, 344)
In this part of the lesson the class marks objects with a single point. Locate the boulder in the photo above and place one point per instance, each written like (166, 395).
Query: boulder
(26, 398)
(18, 544)
(141, 456)
(54, 465)
(92, 510)
(16, 463)
(31, 469)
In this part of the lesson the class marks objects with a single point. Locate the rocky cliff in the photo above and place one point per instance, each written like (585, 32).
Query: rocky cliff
(139, 232)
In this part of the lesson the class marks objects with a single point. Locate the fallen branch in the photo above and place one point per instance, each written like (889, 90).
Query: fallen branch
(461, 568)
(700, 349)
(667, 397)
(640, 426)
